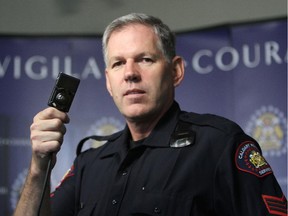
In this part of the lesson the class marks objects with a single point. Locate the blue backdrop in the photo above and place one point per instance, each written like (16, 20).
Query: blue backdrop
(239, 72)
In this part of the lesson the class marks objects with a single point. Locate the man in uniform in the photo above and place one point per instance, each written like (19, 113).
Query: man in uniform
(166, 161)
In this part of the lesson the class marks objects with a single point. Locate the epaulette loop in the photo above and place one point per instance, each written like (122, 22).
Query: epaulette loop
(97, 138)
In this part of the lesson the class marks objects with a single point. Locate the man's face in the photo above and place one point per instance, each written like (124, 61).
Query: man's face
(138, 76)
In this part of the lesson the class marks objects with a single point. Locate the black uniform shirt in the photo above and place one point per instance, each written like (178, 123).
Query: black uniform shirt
(191, 164)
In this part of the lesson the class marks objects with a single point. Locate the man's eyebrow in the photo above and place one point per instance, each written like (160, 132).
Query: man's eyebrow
(115, 58)
(139, 55)
(143, 54)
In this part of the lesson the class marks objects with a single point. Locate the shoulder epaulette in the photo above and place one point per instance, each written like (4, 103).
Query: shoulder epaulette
(97, 138)
(211, 120)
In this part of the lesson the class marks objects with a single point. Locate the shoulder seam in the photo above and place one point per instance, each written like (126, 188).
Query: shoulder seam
(218, 122)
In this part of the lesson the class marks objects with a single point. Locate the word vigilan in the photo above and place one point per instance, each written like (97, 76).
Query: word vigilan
(39, 67)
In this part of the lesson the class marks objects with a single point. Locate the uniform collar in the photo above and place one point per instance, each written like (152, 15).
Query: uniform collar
(159, 137)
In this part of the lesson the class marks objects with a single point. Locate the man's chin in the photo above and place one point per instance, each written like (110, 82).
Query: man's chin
(136, 114)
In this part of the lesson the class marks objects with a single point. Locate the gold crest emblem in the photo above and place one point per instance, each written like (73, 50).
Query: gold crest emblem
(256, 159)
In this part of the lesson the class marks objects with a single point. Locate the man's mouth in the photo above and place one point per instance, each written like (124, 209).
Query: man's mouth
(134, 92)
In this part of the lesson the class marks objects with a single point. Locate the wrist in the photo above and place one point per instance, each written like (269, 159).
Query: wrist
(38, 168)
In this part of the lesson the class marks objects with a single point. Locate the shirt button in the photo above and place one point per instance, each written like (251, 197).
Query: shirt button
(114, 202)
(157, 210)
(81, 205)
(124, 173)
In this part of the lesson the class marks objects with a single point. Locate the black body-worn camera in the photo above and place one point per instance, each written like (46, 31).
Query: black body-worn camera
(63, 92)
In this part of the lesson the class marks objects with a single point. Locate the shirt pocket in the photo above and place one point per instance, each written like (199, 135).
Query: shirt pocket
(87, 209)
(160, 205)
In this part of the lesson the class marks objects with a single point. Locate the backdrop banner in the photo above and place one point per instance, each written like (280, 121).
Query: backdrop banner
(237, 71)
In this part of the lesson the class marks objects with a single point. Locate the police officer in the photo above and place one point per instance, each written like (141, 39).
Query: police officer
(166, 161)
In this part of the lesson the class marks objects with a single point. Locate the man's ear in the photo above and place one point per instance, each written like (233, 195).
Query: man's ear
(178, 68)
(108, 86)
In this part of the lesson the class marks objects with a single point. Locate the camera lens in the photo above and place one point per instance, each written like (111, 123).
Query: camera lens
(62, 98)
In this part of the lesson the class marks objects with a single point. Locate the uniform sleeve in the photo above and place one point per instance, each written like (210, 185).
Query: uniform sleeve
(63, 198)
(244, 182)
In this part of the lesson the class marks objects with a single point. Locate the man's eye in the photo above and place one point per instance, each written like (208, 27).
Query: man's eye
(117, 64)
(147, 60)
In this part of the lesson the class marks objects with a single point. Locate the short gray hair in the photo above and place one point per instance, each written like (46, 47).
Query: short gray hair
(165, 35)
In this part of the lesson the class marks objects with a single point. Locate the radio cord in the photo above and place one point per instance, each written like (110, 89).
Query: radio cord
(45, 185)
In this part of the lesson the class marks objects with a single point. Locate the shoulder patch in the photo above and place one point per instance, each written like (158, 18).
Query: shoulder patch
(68, 174)
(248, 158)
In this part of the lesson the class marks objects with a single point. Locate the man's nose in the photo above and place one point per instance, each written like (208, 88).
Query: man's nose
(132, 73)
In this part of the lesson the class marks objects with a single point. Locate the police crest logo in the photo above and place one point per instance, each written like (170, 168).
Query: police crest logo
(269, 127)
(249, 159)
(104, 126)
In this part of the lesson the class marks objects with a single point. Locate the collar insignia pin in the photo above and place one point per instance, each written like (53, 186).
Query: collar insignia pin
(182, 139)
